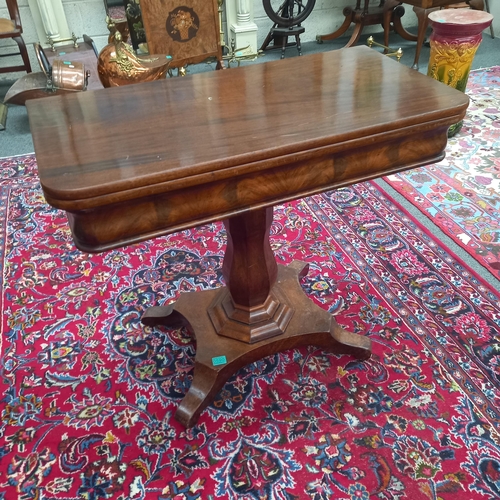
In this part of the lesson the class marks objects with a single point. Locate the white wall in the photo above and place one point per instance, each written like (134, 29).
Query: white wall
(83, 16)
(495, 10)
(88, 17)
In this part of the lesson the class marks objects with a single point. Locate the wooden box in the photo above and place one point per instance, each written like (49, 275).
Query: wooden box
(188, 30)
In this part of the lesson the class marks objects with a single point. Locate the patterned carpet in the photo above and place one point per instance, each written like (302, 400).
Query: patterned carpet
(461, 194)
(89, 393)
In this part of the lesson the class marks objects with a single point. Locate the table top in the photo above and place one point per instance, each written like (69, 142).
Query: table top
(235, 139)
(94, 143)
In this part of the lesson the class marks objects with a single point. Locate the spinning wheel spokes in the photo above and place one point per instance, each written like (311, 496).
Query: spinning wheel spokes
(288, 12)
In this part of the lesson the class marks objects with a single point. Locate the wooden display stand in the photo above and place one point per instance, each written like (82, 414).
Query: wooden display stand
(187, 30)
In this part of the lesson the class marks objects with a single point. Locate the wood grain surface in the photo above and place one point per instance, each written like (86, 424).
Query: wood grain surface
(201, 41)
(132, 163)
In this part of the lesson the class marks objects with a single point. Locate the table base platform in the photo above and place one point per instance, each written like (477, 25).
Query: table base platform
(309, 325)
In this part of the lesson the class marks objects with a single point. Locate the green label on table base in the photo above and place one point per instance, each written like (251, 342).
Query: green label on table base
(219, 360)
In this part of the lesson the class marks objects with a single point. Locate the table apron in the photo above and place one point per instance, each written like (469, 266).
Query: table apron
(119, 224)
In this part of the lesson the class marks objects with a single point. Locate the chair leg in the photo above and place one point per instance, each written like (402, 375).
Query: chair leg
(299, 48)
(283, 46)
(476, 4)
(482, 5)
(3, 116)
(24, 53)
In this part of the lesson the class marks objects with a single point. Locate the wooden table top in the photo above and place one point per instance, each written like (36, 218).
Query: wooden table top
(239, 138)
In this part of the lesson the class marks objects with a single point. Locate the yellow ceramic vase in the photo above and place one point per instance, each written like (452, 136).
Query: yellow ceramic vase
(455, 39)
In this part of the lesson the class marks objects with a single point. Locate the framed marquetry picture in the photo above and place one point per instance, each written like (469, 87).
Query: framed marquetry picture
(187, 30)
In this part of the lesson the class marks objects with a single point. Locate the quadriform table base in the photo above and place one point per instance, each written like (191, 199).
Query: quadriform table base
(310, 325)
(281, 319)
(230, 145)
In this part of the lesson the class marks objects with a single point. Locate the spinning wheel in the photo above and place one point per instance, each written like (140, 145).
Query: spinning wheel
(287, 16)
(288, 13)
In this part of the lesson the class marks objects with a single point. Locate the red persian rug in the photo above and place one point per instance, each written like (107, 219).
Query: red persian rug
(89, 394)
(461, 194)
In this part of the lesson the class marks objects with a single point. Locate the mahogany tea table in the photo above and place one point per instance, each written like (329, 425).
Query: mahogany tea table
(136, 162)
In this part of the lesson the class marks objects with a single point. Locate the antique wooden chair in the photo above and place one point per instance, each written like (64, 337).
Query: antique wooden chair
(12, 28)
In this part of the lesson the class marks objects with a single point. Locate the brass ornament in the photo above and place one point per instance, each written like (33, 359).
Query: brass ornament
(118, 65)
(398, 54)
(121, 25)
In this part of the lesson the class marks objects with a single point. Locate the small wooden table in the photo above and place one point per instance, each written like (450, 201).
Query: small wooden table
(368, 15)
(132, 163)
(388, 13)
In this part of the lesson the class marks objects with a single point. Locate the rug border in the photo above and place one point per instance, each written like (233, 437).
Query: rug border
(433, 236)
(17, 156)
(457, 241)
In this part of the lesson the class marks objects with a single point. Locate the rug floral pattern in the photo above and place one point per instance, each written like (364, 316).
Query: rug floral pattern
(89, 394)
(461, 194)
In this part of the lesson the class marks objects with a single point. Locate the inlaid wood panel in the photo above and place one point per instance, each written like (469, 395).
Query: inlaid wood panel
(188, 30)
